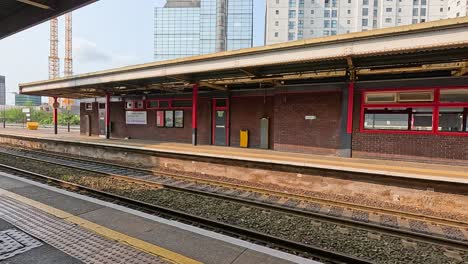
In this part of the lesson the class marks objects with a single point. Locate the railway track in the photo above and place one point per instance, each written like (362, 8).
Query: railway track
(139, 176)
(389, 219)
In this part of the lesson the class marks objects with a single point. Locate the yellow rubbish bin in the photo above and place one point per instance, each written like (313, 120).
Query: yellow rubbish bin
(244, 138)
(32, 125)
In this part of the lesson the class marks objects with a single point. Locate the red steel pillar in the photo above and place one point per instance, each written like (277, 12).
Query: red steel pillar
(194, 113)
(349, 127)
(55, 115)
(108, 116)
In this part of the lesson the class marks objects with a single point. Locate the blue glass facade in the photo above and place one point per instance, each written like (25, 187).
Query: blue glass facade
(202, 27)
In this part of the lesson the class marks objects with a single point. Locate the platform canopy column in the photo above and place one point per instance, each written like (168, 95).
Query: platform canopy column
(55, 114)
(194, 113)
(108, 115)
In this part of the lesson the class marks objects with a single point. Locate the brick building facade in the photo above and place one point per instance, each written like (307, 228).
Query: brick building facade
(308, 119)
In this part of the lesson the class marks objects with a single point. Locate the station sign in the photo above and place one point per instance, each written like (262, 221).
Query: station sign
(26, 110)
(136, 117)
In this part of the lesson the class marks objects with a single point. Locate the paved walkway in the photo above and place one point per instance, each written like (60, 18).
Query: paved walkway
(453, 173)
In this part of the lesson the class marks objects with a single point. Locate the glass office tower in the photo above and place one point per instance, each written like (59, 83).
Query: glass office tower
(192, 27)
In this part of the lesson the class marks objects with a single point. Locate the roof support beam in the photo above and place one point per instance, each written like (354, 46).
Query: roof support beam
(32, 3)
(214, 86)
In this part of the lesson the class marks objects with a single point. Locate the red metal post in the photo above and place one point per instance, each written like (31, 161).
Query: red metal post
(108, 116)
(349, 128)
(194, 113)
(55, 115)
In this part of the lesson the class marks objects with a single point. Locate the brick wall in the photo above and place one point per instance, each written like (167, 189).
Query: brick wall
(294, 133)
(246, 113)
(406, 146)
(150, 131)
(94, 119)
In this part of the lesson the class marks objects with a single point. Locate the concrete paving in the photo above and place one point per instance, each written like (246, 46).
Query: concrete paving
(44, 254)
(197, 244)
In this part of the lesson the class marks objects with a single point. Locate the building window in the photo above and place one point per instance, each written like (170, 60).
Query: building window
(327, 3)
(291, 36)
(276, 34)
(399, 10)
(311, 32)
(349, 1)
(334, 13)
(348, 22)
(365, 2)
(423, 11)
(349, 11)
(326, 13)
(312, 1)
(423, 20)
(375, 12)
(277, 12)
(277, 2)
(334, 3)
(423, 2)
(365, 11)
(292, 3)
(365, 22)
(301, 13)
(333, 32)
(415, 12)
(415, 2)
(388, 9)
(291, 24)
(415, 21)
(415, 110)
(458, 14)
(326, 33)
(441, 9)
(326, 23)
(88, 106)
(374, 23)
(333, 24)
(388, 20)
(399, 20)
(292, 13)
(276, 23)
(311, 21)
(312, 12)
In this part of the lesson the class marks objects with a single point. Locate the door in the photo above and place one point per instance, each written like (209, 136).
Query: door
(220, 122)
(102, 119)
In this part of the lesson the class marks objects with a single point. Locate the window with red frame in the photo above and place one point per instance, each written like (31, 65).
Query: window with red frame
(415, 111)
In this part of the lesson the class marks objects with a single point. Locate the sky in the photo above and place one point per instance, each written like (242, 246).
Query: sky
(106, 34)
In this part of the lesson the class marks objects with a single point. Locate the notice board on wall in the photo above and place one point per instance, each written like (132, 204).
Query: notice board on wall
(135, 118)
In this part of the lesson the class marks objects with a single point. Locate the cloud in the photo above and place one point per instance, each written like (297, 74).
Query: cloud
(90, 56)
(86, 51)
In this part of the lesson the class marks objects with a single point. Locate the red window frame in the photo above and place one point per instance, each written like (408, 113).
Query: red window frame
(169, 104)
(435, 105)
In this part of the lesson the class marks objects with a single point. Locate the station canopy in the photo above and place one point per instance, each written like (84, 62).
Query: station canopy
(432, 49)
(17, 15)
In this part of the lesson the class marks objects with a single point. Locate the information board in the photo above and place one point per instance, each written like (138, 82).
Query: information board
(135, 117)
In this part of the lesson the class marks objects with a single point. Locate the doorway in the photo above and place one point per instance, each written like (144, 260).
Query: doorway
(220, 122)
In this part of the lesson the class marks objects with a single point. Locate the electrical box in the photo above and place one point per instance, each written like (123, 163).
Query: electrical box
(244, 138)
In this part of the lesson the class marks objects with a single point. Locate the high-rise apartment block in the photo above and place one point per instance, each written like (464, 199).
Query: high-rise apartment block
(2, 90)
(289, 20)
(192, 27)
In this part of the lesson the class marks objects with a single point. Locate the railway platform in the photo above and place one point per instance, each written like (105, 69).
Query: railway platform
(59, 226)
(455, 172)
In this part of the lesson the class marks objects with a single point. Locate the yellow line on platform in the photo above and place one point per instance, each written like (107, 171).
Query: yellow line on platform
(104, 231)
